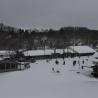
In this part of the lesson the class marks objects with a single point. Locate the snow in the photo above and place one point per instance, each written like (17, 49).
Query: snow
(44, 52)
(38, 52)
(41, 82)
(82, 49)
(78, 49)
(5, 52)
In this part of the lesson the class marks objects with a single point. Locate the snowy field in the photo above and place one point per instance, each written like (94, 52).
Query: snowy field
(41, 82)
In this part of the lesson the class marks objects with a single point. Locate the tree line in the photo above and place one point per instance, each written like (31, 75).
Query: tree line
(17, 38)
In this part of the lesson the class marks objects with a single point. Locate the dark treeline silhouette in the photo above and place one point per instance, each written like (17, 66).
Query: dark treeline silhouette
(13, 38)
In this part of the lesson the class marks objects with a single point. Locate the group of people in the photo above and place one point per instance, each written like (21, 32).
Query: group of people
(57, 62)
(75, 62)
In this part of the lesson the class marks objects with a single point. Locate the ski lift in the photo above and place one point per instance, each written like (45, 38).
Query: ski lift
(79, 62)
(63, 55)
(56, 62)
(63, 58)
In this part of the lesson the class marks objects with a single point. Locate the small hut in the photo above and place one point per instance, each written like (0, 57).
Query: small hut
(11, 65)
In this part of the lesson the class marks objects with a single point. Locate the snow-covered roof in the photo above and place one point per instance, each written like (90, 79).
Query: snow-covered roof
(82, 49)
(44, 52)
(6, 52)
(38, 52)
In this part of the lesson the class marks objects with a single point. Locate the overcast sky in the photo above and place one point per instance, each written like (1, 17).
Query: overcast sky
(49, 13)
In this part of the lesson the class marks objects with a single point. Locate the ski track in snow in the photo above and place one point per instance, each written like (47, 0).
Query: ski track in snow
(41, 82)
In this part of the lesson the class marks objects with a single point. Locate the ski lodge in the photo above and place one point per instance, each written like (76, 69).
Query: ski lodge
(39, 54)
(7, 65)
(71, 51)
(82, 50)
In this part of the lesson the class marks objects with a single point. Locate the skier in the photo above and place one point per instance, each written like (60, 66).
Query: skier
(52, 68)
(79, 63)
(83, 61)
(74, 63)
(82, 67)
(47, 60)
(57, 62)
(64, 63)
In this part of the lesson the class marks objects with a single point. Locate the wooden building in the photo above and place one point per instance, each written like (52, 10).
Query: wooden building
(11, 65)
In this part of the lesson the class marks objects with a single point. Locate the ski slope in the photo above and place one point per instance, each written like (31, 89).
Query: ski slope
(41, 82)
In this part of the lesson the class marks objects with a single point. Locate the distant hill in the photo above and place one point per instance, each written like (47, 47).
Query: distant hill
(17, 38)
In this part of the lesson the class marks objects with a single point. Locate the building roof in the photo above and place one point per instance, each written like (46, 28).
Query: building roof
(46, 52)
(9, 61)
(82, 49)
(6, 52)
(37, 52)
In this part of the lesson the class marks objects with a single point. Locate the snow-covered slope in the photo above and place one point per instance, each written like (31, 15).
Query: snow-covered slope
(41, 82)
